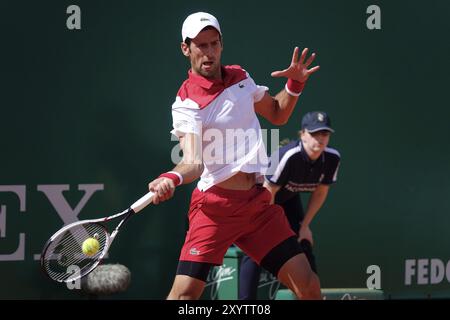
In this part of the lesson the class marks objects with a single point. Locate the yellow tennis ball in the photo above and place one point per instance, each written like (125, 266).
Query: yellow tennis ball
(90, 246)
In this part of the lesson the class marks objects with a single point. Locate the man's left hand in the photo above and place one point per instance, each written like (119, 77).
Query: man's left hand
(298, 70)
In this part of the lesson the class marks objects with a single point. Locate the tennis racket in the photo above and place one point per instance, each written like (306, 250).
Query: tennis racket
(62, 258)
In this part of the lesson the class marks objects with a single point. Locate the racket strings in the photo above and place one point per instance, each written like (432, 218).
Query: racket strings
(64, 258)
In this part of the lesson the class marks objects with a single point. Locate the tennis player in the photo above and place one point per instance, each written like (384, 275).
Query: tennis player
(229, 205)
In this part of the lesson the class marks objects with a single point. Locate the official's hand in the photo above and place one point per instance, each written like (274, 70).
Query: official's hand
(298, 70)
(305, 233)
(163, 188)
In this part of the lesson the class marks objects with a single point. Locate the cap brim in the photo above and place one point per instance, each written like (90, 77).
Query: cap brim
(320, 129)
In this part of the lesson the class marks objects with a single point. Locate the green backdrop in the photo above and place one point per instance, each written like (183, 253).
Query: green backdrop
(92, 107)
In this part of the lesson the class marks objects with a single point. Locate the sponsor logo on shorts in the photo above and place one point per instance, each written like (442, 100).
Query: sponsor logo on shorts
(194, 252)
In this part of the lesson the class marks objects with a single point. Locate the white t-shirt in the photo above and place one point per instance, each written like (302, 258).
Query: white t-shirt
(223, 113)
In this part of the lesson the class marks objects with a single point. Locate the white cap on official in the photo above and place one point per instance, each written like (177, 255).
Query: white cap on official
(196, 22)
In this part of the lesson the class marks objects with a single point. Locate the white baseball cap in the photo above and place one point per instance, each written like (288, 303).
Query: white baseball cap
(196, 22)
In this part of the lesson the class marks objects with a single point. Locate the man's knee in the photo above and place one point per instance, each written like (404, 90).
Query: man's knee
(190, 280)
(312, 288)
(186, 288)
(300, 278)
(185, 294)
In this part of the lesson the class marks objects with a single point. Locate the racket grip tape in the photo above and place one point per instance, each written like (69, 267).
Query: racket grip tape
(142, 202)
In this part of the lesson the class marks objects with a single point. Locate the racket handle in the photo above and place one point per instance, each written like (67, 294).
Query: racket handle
(142, 202)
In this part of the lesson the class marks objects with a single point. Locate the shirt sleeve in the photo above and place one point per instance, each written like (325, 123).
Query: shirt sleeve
(185, 119)
(279, 170)
(259, 93)
(256, 90)
(331, 172)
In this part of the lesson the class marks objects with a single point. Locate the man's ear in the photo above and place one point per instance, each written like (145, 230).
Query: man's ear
(185, 49)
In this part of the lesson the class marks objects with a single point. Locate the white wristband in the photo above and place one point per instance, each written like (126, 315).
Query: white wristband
(291, 93)
(179, 176)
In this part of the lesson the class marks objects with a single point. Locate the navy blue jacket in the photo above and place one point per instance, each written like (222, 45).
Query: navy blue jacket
(295, 172)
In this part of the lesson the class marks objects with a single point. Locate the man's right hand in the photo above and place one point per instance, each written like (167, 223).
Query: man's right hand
(163, 188)
(305, 233)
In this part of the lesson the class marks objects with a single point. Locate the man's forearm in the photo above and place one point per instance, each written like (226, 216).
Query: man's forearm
(316, 201)
(189, 171)
(285, 104)
(273, 189)
(191, 166)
